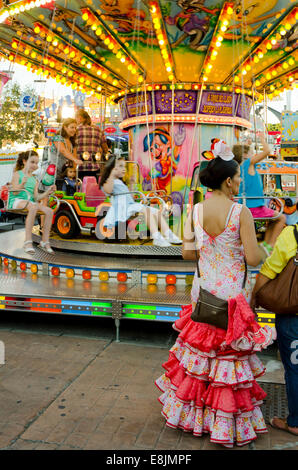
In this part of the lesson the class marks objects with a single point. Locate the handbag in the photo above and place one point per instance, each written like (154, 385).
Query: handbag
(209, 308)
(280, 295)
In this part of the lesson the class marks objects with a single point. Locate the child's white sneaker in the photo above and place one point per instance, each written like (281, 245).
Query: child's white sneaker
(46, 247)
(159, 240)
(172, 238)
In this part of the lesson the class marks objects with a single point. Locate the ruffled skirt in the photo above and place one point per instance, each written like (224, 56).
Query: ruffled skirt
(209, 387)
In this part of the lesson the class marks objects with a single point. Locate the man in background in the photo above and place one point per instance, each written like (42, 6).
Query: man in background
(91, 145)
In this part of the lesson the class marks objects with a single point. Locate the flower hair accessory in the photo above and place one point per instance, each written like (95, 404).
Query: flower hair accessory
(218, 149)
(222, 150)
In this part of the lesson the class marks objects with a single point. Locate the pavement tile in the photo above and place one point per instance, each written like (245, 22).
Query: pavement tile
(34, 374)
(99, 441)
(21, 444)
(64, 392)
(147, 439)
(46, 446)
(123, 441)
(190, 442)
(282, 440)
(8, 432)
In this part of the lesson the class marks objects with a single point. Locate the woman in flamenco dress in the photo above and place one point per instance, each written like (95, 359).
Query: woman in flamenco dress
(209, 384)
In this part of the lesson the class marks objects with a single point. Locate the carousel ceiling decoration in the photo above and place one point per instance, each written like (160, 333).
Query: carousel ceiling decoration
(121, 46)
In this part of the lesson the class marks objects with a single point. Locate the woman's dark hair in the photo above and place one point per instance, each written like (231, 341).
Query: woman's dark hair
(66, 123)
(109, 166)
(217, 171)
(23, 157)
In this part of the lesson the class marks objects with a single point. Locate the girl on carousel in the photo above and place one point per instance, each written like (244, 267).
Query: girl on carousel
(24, 195)
(209, 384)
(251, 187)
(123, 205)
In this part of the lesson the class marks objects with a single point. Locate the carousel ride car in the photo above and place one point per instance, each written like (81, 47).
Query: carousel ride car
(181, 72)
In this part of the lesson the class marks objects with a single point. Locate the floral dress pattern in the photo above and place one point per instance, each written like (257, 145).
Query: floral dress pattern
(209, 384)
(221, 261)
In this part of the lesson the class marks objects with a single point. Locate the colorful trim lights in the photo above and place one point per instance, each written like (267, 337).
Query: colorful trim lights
(287, 64)
(181, 86)
(258, 55)
(185, 118)
(162, 38)
(69, 273)
(113, 44)
(79, 59)
(216, 42)
(48, 67)
(21, 7)
(283, 83)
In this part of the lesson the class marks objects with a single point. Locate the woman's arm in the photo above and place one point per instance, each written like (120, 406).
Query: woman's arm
(61, 148)
(252, 252)
(188, 247)
(39, 196)
(260, 282)
(109, 184)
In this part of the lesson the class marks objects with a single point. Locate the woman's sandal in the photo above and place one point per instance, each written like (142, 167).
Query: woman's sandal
(28, 247)
(281, 424)
(46, 247)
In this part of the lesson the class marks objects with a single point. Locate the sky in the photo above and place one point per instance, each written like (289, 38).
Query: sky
(50, 88)
(54, 90)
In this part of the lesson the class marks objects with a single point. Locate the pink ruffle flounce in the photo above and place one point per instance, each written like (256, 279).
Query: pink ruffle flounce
(209, 387)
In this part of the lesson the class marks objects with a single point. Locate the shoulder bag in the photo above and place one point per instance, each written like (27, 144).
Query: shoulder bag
(280, 295)
(209, 308)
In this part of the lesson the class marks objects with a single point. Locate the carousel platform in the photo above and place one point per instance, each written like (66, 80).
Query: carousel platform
(90, 244)
(78, 283)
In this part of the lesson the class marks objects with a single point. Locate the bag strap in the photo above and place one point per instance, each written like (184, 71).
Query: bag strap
(194, 233)
(197, 258)
(296, 234)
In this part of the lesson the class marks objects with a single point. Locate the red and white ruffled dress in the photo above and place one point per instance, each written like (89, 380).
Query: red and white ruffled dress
(209, 384)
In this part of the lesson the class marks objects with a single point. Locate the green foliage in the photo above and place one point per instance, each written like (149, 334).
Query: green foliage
(17, 125)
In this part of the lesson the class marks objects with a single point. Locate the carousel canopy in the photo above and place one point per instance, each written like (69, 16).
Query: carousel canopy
(113, 47)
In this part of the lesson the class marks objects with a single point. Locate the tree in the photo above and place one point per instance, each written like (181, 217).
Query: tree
(17, 125)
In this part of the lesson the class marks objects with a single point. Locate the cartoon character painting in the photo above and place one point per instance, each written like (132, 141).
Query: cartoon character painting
(159, 144)
(248, 16)
(127, 18)
(193, 26)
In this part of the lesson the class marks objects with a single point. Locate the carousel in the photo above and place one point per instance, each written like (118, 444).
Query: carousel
(182, 73)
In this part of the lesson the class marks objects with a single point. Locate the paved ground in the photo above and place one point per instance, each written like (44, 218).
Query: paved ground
(69, 392)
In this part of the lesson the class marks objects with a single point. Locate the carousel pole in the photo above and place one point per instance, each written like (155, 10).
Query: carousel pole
(193, 139)
(104, 110)
(254, 113)
(172, 137)
(266, 114)
(148, 136)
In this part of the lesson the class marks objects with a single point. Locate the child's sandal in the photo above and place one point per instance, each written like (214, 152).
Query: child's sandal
(28, 247)
(46, 247)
